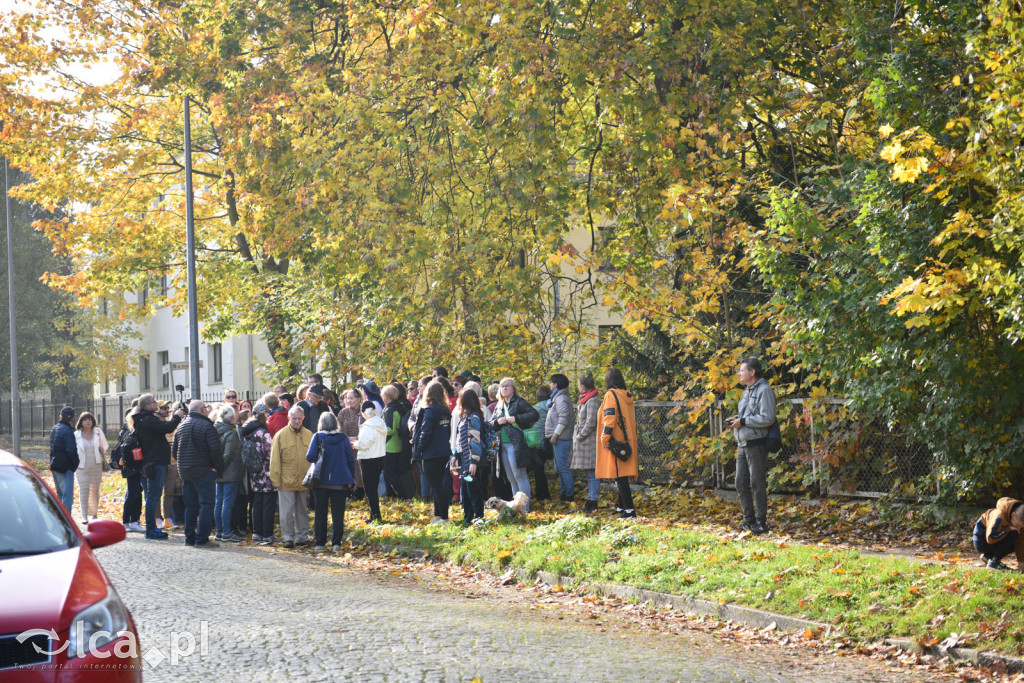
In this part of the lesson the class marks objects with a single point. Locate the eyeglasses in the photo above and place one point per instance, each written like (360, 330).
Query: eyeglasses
(231, 396)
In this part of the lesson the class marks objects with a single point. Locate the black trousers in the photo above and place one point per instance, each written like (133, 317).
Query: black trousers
(398, 475)
(625, 493)
(499, 483)
(240, 518)
(540, 476)
(132, 511)
(371, 468)
(435, 470)
(336, 499)
(264, 505)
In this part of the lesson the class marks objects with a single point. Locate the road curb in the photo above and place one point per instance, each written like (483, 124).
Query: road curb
(724, 611)
(749, 616)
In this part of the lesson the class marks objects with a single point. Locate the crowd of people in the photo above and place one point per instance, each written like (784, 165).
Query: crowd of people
(232, 468)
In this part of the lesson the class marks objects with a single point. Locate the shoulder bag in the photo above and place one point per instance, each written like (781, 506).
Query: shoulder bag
(620, 449)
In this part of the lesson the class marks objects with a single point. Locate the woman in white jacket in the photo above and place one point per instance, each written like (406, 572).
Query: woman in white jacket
(92, 448)
(370, 447)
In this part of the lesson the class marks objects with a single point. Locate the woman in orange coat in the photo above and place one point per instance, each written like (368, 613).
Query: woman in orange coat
(616, 412)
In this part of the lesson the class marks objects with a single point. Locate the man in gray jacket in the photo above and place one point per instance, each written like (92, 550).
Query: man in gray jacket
(750, 427)
(558, 429)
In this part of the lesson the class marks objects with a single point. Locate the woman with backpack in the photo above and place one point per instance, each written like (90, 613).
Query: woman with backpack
(131, 472)
(256, 444)
(618, 426)
(471, 454)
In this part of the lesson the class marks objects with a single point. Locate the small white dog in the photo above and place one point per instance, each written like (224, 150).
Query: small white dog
(509, 508)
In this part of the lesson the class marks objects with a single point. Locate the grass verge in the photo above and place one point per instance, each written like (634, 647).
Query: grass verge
(866, 597)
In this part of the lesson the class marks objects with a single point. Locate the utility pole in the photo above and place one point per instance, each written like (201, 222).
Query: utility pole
(15, 399)
(190, 248)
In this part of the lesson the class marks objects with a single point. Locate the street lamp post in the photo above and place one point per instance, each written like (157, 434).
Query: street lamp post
(15, 407)
(190, 247)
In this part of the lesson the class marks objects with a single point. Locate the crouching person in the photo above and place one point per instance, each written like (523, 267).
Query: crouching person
(997, 533)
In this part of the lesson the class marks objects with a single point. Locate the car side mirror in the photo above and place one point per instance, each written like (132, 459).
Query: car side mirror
(104, 532)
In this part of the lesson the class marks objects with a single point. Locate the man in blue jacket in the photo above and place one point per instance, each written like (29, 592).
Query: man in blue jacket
(64, 457)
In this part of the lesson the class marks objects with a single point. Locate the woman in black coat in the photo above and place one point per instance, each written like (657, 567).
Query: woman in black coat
(431, 446)
(511, 416)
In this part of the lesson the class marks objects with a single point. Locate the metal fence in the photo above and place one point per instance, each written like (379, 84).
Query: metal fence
(37, 417)
(826, 448)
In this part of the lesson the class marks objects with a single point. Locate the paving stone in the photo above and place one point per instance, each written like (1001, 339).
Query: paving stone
(270, 619)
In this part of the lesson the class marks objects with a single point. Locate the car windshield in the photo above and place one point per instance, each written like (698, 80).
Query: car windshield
(30, 521)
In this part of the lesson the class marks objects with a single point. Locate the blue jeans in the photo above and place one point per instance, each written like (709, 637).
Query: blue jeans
(200, 496)
(517, 476)
(563, 449)
(425, 491)
(154, 488)
(64, 484)
(593, 485)
(225, 504)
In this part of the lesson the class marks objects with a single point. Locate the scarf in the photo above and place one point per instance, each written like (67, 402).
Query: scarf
(587, 396)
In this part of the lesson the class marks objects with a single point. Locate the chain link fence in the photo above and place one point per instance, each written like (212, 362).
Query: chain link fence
(826, 450)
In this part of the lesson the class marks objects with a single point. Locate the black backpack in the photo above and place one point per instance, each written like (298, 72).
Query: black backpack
(252, 454)
(773, 442)
(125, 454)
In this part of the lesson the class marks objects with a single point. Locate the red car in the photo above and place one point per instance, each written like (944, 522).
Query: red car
(60, 617)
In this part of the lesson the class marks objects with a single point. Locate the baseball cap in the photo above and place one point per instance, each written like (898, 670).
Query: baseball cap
(317, 390)
(67, 411)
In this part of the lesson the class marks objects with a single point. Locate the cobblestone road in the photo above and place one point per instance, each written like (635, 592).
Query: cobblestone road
(290, 616)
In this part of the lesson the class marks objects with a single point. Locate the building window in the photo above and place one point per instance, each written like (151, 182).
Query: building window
(163, 359)
(105, 307)
(164, 286)
(143, 372)
(216, 364)
(144, 295)
(122, 384)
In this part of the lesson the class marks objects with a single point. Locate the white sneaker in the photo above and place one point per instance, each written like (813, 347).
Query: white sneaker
(137, 527)
(438, 520)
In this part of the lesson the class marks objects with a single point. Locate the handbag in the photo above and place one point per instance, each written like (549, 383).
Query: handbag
(534, 438)
(312, 477)
(621, 450)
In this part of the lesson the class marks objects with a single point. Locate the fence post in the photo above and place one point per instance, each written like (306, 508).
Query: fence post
(31, 420)
(816, 471)
(103, 411)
